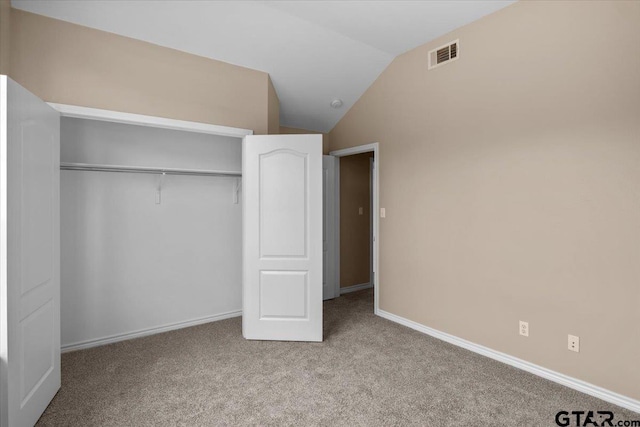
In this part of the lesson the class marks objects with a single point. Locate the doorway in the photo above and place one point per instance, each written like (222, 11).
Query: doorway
(357, 223)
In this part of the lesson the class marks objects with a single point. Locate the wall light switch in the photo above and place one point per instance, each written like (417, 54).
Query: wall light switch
(383, 213)
(360, 210)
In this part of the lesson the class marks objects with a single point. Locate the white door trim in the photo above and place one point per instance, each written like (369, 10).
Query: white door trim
(142, 120)
(372, 214)
(374, 146)
(336, 231)
(4, 380)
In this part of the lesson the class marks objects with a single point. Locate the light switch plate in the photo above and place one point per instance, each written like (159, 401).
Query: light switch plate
(574, 343)
(383, 213)
(360, 210)
(524, 328)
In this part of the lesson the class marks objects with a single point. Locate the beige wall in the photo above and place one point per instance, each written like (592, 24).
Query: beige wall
(355, 229)
(70, 64)
(325, 137)
(5, 31)
(273, 105)
(510, 182)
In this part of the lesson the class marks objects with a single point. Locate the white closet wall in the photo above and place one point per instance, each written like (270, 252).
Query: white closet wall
(129, 264)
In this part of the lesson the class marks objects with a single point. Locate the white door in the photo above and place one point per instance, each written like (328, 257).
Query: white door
(282, 237)
(29, 255)
(329, 238)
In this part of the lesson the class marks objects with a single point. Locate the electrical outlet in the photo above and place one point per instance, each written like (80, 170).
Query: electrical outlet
(574, 343)
(360, 210)
(383, 213)
(524, 328)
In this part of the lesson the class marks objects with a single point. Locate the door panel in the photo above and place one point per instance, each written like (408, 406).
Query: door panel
(37, 204)
(283, 214)
(30, 255)
(282, 237)
(37, 352)
(284, 295)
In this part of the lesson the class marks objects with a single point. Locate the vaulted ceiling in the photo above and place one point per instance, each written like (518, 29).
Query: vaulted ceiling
(314, 51)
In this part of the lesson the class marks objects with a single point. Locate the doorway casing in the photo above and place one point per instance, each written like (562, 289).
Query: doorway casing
(375, 195)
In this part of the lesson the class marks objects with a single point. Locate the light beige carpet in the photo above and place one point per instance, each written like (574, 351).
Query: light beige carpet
(368, 372)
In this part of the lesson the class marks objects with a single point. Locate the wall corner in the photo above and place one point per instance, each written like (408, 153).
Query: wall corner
(273, 109)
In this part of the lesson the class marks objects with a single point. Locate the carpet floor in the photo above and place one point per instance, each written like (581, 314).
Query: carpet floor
(367, 372)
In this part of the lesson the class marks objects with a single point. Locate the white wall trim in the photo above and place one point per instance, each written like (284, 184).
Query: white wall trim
(565, 380)
(149, 331)
(375, 147)
(355, 288)
(139, 119)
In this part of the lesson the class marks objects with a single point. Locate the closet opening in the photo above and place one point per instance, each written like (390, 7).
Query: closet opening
(151, 228)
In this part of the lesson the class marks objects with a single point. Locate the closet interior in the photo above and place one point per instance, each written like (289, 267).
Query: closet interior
(151, 230)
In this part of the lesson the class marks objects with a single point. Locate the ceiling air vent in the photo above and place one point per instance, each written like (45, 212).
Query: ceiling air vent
(443, 54)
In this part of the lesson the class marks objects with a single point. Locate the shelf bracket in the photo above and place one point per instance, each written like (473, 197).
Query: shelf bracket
(236, 192)
(159, 190)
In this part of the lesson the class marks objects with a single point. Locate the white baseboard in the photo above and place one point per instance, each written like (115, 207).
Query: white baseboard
(149, 331)
(565, 380)
(354, 288)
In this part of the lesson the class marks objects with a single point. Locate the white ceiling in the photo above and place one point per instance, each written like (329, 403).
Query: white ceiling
(315, 51)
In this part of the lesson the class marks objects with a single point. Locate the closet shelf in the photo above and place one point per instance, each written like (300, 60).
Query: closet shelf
(139, 169)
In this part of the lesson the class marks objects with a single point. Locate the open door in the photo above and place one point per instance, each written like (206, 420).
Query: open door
(29, 255)
(282, 237)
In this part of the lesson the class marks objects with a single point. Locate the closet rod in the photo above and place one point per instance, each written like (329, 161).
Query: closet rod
(137, 169)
